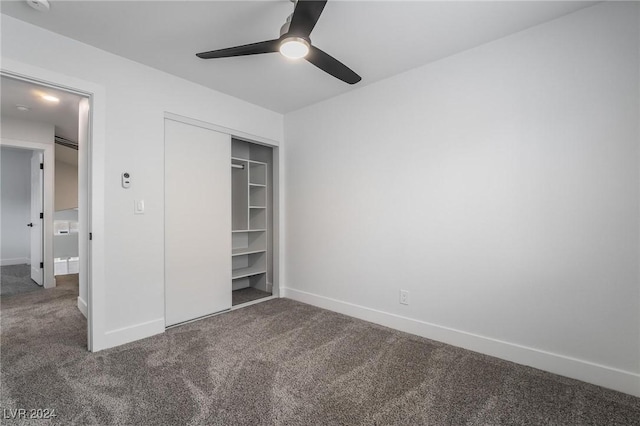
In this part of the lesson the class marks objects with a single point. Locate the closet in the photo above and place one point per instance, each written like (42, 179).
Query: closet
(218, 221)
(252, 225)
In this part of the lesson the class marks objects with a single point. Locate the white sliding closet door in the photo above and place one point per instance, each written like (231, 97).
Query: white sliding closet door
(197, 222)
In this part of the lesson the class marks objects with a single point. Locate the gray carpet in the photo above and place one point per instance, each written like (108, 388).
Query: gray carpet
(248, 294)
(276, 363)
(16, 279)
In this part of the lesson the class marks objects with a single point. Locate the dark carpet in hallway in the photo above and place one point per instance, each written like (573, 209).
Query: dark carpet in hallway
(15, 279)
(276, 363)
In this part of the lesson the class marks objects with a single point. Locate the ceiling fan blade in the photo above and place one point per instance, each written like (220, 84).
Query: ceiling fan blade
(331, 65)
(247, 49)
(305, 16)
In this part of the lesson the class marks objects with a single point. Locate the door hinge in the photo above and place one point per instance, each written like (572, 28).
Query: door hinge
(41, 215)
(90, 236)
(41, 265)
(41, 166)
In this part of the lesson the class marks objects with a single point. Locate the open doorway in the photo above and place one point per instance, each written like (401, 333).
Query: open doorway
(66, 252)
(50, 127)
(21, 205)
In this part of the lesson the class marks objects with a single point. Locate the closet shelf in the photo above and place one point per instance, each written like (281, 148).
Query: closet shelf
(248, 230)
(241, 251)
(247, 272)
(257, 207)
(259, 185)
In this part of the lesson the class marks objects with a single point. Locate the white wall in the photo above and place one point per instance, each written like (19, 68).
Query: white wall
(37, 136)
(84, 110)
(66, 182)
(500, 187)
(26, 130)
(135, 98)
(15, 205)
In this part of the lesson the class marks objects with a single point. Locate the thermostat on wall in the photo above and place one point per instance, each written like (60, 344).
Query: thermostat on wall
(126, 180)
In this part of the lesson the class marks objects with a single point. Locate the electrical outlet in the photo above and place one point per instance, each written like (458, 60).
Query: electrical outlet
(404, 297)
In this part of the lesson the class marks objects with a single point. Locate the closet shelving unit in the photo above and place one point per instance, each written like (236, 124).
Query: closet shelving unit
(250, 223)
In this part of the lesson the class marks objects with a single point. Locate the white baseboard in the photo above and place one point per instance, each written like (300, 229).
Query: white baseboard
(15, 261)
(131, 333)
(82, 306)
(608, 377)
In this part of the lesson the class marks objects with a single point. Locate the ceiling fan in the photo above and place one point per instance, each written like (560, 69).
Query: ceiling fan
(294, 43)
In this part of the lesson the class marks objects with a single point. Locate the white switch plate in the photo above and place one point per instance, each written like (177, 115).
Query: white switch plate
(138, 207)
(404, 297)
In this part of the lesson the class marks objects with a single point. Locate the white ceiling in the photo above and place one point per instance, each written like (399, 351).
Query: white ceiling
(63, 115)
(377, 39)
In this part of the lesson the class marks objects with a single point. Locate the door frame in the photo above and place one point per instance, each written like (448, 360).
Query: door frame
(94, 178)
(48, 207)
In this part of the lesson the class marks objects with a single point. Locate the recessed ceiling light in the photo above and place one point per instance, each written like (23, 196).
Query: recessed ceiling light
(50, 98)
(22, 108)
(41, 5)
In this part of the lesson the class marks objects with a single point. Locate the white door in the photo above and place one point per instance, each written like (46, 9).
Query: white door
(197, 222)
(36, 225)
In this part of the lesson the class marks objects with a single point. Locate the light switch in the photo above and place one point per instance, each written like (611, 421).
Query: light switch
(138, 207)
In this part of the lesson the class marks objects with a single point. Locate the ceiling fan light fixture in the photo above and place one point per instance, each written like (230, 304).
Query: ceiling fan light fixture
(294, 47)
(294, 43)
(40, 5)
